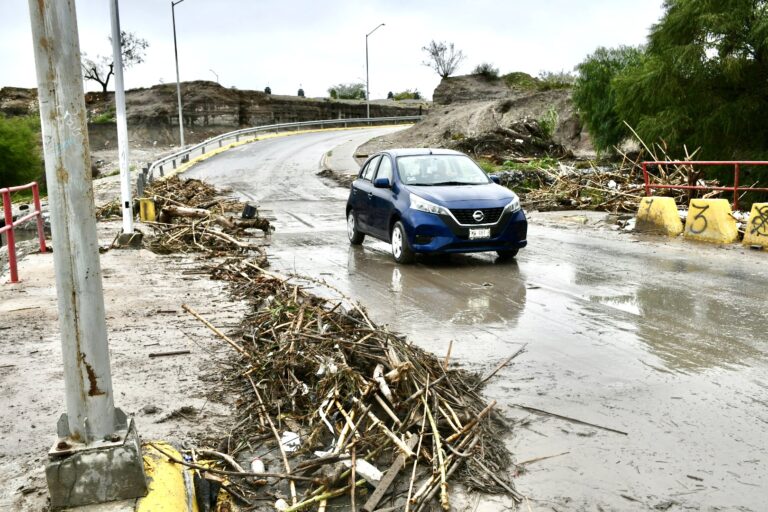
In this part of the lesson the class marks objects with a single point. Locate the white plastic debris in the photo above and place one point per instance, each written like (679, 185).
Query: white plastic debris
(281, 504)
(630, 225)
(257, 466)
(378, 376)
(613, 185)
(290, 441)
(363, 468)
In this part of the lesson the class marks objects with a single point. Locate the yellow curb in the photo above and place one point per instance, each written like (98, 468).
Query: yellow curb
(658, 215)
(756, 232)
(170, 485)
(710, 220)
(185, 166)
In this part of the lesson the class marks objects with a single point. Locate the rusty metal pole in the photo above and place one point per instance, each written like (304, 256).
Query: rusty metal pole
(126, 203)
(95, 458)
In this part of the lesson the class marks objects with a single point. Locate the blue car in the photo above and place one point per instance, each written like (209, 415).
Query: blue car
(433, 201)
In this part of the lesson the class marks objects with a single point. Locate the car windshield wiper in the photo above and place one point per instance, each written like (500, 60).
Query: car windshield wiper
(443, 183)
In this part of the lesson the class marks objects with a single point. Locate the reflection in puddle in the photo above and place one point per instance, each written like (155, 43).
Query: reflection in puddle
(460, 289)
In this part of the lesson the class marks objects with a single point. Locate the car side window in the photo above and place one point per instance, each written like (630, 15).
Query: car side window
(371, 168)
(385, 169)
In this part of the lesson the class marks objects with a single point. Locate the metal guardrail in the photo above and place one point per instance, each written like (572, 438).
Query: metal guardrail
(737, 165)
(148, 174)
(5, 194)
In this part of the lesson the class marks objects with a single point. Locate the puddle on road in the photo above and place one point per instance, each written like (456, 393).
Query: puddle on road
(662, 362)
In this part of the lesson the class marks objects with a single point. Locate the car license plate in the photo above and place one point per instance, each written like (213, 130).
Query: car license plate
(477, 233)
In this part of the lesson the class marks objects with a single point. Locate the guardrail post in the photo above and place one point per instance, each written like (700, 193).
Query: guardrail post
(736, 176)
(647, 180)
(39, 210)
(97, 456)
(10, 237)
(219, 142)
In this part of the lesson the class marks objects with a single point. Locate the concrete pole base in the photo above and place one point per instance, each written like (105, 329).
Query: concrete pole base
(103, 471)
(130, 240)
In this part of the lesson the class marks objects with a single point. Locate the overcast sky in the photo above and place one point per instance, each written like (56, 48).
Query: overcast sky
(253, 43)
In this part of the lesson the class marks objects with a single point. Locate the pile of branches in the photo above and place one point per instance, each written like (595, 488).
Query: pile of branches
(331, 405)
(612, 188)
(194, 217)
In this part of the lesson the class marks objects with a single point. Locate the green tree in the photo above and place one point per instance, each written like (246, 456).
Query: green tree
(703, 81)
(101, 69)
(20, 159)
(595, 96)
(351, 91)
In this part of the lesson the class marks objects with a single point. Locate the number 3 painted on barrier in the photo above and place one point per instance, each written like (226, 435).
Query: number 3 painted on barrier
(699, 216)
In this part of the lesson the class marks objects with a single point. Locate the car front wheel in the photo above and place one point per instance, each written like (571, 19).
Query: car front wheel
(355, 236)
(507, 255)
(401, 250)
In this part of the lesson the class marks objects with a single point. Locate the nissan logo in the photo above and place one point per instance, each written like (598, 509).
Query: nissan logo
(478, 216)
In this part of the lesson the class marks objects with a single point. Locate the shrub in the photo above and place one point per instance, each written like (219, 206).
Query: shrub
(351, 91)
(520, 80)
(408, 94)
(487, 71)
(104, 118)
(20, 156)
(556, 80)
(548, 122)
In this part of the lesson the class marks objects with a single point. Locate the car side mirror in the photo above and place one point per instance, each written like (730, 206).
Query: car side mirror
(495, 179)
(382, 183)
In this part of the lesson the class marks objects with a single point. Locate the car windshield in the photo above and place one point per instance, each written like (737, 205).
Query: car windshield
(435, 170)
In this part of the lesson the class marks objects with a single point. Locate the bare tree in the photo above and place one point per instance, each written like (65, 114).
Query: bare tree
(443, 58)
(101, 69)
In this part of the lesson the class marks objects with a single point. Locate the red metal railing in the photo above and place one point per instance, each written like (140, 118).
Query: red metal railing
(736, 175)
(5, 193)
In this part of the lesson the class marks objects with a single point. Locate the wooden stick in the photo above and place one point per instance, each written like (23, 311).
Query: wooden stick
(223, 456)
(231, 473)
(416, 459)
(448, 355)
(277, 437)
(567, 418)
(216, 331)
(173, 353)
(472, 423)
(388, 479)
(444, 503)
(502, 365)
(537, 459)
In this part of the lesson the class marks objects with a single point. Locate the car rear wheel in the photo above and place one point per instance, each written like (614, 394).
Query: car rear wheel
(507, 255)
(355, 236)
(401, 250)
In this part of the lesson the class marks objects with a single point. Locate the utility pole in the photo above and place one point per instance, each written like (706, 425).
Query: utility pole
(126, 203)
(367, 90)
(178, 84)
(97, 456)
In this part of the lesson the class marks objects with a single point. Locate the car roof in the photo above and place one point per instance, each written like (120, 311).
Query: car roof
(419, 151)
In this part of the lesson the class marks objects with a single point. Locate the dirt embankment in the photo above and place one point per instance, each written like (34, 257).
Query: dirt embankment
(491, 119)
(209, 109)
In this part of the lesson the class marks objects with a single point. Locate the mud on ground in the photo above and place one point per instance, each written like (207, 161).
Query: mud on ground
(143, 294)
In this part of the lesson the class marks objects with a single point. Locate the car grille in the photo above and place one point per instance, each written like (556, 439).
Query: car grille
(465, 216)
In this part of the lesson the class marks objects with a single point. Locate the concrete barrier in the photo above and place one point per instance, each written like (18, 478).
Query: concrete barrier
(170, 485)
(658, 215)
(756, 233)
(710, 220)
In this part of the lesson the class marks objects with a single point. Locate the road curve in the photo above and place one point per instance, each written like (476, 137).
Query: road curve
(661, 339)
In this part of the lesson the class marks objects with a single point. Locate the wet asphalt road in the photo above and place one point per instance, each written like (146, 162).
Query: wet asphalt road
(662, 339)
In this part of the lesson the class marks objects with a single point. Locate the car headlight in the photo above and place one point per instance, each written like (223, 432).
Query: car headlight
(421, 204)
(514, 204)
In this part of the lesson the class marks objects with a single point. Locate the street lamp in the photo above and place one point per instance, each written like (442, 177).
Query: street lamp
(178, 85)
(215, 74)
(367, 89)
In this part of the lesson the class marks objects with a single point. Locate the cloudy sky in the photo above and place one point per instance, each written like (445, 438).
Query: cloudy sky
(250, 44)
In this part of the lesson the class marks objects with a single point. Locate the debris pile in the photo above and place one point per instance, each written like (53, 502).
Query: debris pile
(331, 405)
(194, 217)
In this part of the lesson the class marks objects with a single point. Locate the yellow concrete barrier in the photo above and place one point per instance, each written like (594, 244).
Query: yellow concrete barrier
(170, 485)
(710, 220)
(756, 232)
(658, 215)
(147, 211)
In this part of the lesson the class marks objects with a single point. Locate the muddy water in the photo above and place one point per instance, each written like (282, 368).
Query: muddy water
(663, 341)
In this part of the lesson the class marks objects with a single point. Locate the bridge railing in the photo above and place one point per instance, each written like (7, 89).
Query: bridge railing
(168, 163)
(9, 223)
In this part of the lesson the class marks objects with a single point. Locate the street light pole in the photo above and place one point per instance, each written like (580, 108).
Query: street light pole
(97, 456)
(126, 205)
(215, 74)
(367, 89)
(178, 85)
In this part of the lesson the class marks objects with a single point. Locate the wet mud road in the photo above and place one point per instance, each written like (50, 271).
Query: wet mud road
(660, 339)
